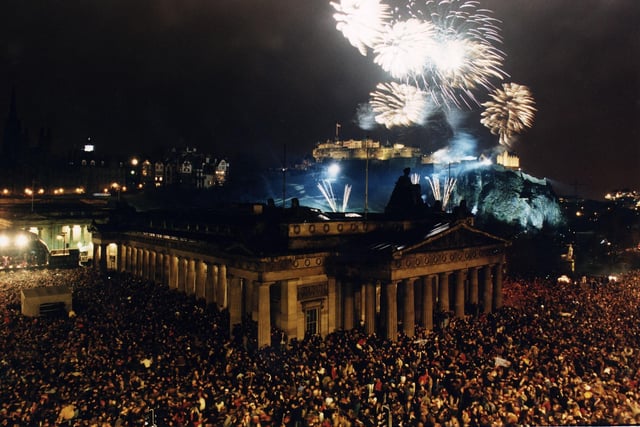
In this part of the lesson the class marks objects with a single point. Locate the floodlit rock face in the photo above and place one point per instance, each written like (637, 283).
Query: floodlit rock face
(507, 196)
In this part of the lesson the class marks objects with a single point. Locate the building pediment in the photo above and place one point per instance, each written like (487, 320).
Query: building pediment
(448, 236)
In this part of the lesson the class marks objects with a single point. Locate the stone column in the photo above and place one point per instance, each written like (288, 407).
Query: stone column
(122, 258)
(264, 315)
(409, 317)
(487, 291)
(152, 266)
(391, 293)
(167, 269)
(210, 283)
(160, 268)
(289, 308)
(190, 281)
(497, 287)
(201, 277)
(174, 272)
(427, 302)
(145, 264)
(182, 274)
(103, 257)
(370, 308)
(128, 261)
(221, 294)
(443, 292)
(96, 257)
(235, 302)
(459, 305)
(349, 303)
(473, 289)
(134, 262)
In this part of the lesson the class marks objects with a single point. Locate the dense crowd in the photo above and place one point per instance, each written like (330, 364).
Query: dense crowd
(133, 352)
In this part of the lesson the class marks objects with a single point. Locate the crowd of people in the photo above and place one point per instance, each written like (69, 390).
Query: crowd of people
(133, 353)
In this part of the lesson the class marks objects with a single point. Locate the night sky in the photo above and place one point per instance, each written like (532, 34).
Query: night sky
(233, 77)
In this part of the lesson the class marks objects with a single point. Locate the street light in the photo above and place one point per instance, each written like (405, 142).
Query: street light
(117, 187)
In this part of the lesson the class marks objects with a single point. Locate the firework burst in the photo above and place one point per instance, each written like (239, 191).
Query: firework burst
(395, 104)
(440, 52)
(362, 22)
(405, 48)
(464, 57)
(511, 111)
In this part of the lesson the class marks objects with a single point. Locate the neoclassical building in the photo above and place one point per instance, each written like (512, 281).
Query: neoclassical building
(308, 272)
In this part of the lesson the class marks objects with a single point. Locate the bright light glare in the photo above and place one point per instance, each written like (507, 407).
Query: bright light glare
(21, 240)
(4, 241)
(333, 170)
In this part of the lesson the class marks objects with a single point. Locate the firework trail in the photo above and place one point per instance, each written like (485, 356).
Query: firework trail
(326, 189)
(511, 110)
(396, 104)
(444, 195)
(405, 48)
(345, 197)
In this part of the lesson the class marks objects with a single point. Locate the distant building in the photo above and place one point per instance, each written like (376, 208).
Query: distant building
(92, 170)
(362, 150)
(625, 197)
(508, 160)
(190, 168)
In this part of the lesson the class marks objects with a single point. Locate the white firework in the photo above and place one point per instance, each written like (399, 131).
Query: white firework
(445, 49)
(463, 56)
(396, 104)
(326, 188)
(447, 188)
(466, 64)
(511, 112)
(405, 47)
(362, 22)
